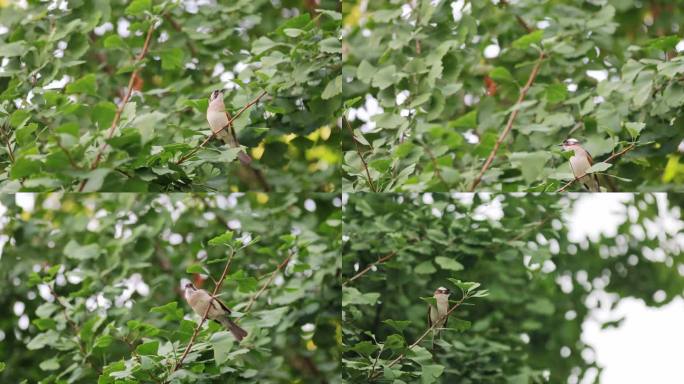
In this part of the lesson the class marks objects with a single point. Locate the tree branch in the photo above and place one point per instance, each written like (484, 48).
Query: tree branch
(611, 158)
(453, 308)
(371, 265)
(358, 151)
(509, 124)
(267, 283)
(206, 312)
(117, 115)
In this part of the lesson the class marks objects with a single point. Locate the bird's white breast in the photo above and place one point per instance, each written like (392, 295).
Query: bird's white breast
(217, 119)
(580, 164)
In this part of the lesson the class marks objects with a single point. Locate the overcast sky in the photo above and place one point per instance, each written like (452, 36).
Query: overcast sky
(649, 345)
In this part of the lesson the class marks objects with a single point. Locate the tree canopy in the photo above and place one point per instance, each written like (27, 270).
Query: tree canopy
(475, 95)
(112, 95)
(92, 288)
(528, 287)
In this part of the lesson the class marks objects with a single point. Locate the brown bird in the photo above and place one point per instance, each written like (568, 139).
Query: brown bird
(199, 299)
(218, 119)
(580, 163)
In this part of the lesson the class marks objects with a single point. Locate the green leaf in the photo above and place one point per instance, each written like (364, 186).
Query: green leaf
(501, 74)
(365, 348)
(2, 366)
(222, 342)
(42, 339)
(195, 268)
(384, 77)
(425, 268)
(172, 58)
(333, 88)
(95, 179)
(352, 296)
(224, 239)
(170, 310)
(114, 41)
(149, 348)
(599, 167)
(19, 118)
(448, 263)
(147, 123)
(136, 7)
(529, 39)
(555, 93)
(466, 286)
(469, 120)
(44, 324)
(50, 364)
(395, 342)
(102, 114)
(399, 325)
(458, 324)
(262, 45)
(24, 167)
(365, 72)
(430, 373)
(17, 48)
(665, 43)
(85, 84)
(634, 128)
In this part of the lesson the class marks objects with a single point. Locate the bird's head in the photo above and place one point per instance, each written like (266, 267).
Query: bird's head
(190, 286)
(217, 93)
(570, 144)
(442, 291)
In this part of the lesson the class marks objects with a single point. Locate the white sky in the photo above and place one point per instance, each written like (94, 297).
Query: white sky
(649, 345)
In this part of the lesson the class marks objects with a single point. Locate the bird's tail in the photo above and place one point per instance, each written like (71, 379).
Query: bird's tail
(235, 329)
(591, 183)
(227, 136)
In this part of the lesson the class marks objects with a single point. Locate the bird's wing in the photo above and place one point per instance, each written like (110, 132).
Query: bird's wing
(591, 160)
(429, 321)
(218, 305)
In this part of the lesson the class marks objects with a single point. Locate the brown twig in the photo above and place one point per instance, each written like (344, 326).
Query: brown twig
(509, 124)
(267, 283)
(437, 173)
(609, 159)
(206, 312)
(371, 265)
(119, 110)
(358, 151)
(213, 134)
(453, 308)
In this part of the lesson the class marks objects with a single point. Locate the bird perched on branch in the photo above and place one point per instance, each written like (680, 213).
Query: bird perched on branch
(580, 163)
(219, 119)
(199, 299)
(437, 315)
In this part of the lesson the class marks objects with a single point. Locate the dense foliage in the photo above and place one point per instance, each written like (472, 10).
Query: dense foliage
(542, 286)
(91, 287)
(430, 86)
(67, 66)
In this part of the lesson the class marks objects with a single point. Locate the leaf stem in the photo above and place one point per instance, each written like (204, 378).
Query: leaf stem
(358, 151)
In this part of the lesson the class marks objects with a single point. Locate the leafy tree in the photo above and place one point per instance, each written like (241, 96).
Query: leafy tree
(112, 95)
(475, 95)
(397, 249)
(97, 279)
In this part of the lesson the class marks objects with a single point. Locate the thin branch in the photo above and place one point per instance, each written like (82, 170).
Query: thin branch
(119, 110)
(213, 134)
(611, 158)
(206, 312)
(437, 173)
(267, 283)
(371, 265)
(375, 362)
(427, 332)
(358, 151)
(509, 124)
(5, 134)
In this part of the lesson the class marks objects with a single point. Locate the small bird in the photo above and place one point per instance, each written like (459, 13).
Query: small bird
(438, 315)
(218, 118)
(199, 299)
(580, 162)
